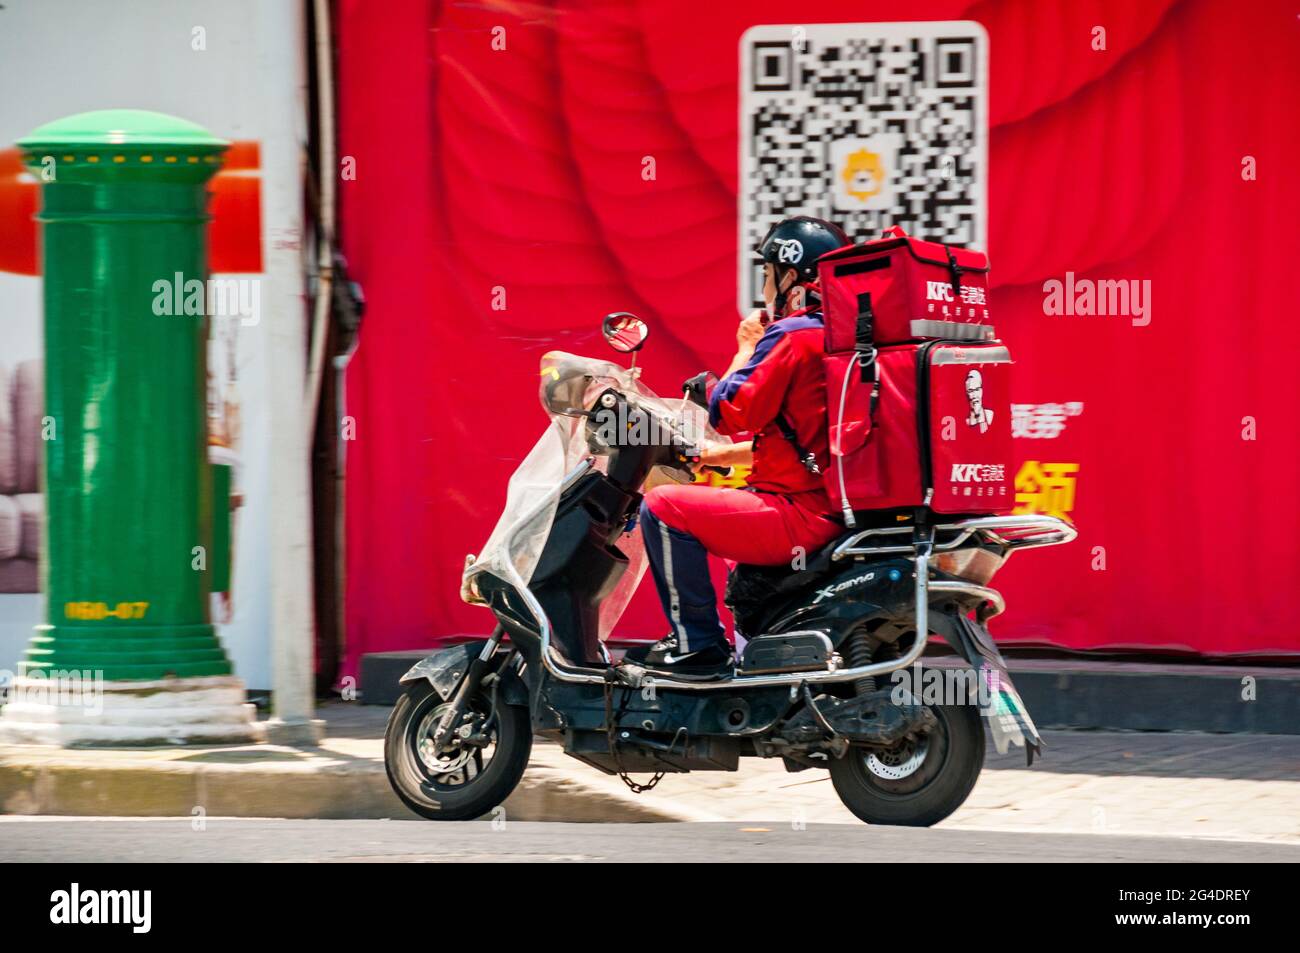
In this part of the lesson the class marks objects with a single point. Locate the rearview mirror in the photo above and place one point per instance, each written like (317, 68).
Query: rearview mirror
(624, 332)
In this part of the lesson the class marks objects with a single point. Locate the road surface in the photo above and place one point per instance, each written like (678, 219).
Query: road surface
(241, 839)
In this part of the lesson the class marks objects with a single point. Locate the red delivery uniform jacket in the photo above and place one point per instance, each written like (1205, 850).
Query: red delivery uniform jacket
(790, 510)
(784, 379)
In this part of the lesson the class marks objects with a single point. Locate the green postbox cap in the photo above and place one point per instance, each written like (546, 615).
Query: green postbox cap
(126, 143)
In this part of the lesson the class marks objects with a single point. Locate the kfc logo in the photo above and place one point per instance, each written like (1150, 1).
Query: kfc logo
(978, 473)
(938, 291)
(943, 291)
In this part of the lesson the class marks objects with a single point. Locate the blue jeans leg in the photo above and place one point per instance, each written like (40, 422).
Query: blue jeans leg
(680, 566)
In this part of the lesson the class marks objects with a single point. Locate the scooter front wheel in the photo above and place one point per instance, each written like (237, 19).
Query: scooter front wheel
(919, 782)
(467, 777)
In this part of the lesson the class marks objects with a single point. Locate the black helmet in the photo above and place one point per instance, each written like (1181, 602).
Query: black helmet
(798, 242)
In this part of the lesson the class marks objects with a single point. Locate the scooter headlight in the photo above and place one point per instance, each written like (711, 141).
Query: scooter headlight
(469, 585)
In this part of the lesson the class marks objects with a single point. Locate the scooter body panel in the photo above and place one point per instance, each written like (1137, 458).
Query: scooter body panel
(840, 601)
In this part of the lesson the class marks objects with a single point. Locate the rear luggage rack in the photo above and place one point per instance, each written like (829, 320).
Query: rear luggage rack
(1011, 532)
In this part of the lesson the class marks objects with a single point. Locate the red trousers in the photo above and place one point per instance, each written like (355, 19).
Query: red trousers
(745, 526)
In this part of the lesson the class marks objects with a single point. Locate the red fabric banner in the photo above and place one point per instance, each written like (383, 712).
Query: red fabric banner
(498, 210)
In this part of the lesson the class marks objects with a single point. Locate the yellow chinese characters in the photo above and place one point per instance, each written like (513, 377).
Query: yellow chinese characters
(1046, 488)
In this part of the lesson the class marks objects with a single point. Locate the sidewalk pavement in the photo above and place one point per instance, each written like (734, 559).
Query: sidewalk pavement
(1238, 787)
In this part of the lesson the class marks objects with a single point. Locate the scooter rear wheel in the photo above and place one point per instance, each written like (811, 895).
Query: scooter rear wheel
(459, 783)
(917, 783)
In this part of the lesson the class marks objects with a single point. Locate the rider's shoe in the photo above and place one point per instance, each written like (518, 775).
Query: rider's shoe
(664, 655)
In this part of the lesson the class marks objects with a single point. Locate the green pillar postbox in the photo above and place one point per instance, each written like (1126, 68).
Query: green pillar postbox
(128, 564)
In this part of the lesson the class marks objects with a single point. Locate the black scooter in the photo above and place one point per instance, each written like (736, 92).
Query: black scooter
(829, 677)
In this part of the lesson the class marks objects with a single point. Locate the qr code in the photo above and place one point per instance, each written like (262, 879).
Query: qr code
(865, 124)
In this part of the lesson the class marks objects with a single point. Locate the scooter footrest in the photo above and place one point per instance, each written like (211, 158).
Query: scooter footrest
(805, 651)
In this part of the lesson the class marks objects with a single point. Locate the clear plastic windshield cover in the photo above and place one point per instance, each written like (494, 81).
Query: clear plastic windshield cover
(516, 543)
(533, 494)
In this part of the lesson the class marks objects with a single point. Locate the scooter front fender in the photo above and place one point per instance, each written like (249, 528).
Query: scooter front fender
(445, 668)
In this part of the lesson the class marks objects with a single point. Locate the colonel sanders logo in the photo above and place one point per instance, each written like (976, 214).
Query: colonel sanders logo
(980, 416)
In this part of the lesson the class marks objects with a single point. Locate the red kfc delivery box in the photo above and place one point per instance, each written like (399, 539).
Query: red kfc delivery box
(927, 425)
(898, 288)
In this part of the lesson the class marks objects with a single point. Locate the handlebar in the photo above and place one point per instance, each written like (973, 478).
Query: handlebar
(696, 389)
(637, 438)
